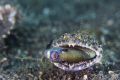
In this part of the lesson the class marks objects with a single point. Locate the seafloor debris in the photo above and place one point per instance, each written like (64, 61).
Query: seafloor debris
(75, 51)
(7, 21)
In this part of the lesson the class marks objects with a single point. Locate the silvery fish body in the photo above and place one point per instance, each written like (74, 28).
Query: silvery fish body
(75, 51)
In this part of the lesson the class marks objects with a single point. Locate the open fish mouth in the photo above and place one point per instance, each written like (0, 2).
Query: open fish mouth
(74, 58)
(74, 52)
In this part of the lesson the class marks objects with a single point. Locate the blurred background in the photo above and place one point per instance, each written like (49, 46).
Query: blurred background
(27, 26)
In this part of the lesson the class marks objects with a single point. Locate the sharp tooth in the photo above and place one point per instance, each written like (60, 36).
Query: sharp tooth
(91, 63)
(66, 64)
(80, 62)
(69, 45)
(87, 64)
(79, 68)
(73, 64)
(80, 44)
(73, 45)
(86, 45)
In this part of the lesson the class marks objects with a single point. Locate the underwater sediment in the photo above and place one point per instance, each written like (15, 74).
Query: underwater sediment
(7, 22)
(43, 21)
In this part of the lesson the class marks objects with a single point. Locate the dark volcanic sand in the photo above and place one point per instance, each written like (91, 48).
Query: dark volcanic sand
(39, 22)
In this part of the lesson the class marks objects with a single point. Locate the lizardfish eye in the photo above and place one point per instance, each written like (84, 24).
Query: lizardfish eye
(53, 55)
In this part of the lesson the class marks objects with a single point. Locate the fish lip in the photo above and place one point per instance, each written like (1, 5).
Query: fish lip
(47, 53)
(74, 67)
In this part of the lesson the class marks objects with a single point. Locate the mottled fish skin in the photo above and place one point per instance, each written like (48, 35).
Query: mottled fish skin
(75, 51)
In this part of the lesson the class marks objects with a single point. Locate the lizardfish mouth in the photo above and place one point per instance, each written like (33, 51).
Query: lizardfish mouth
(77, 57)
